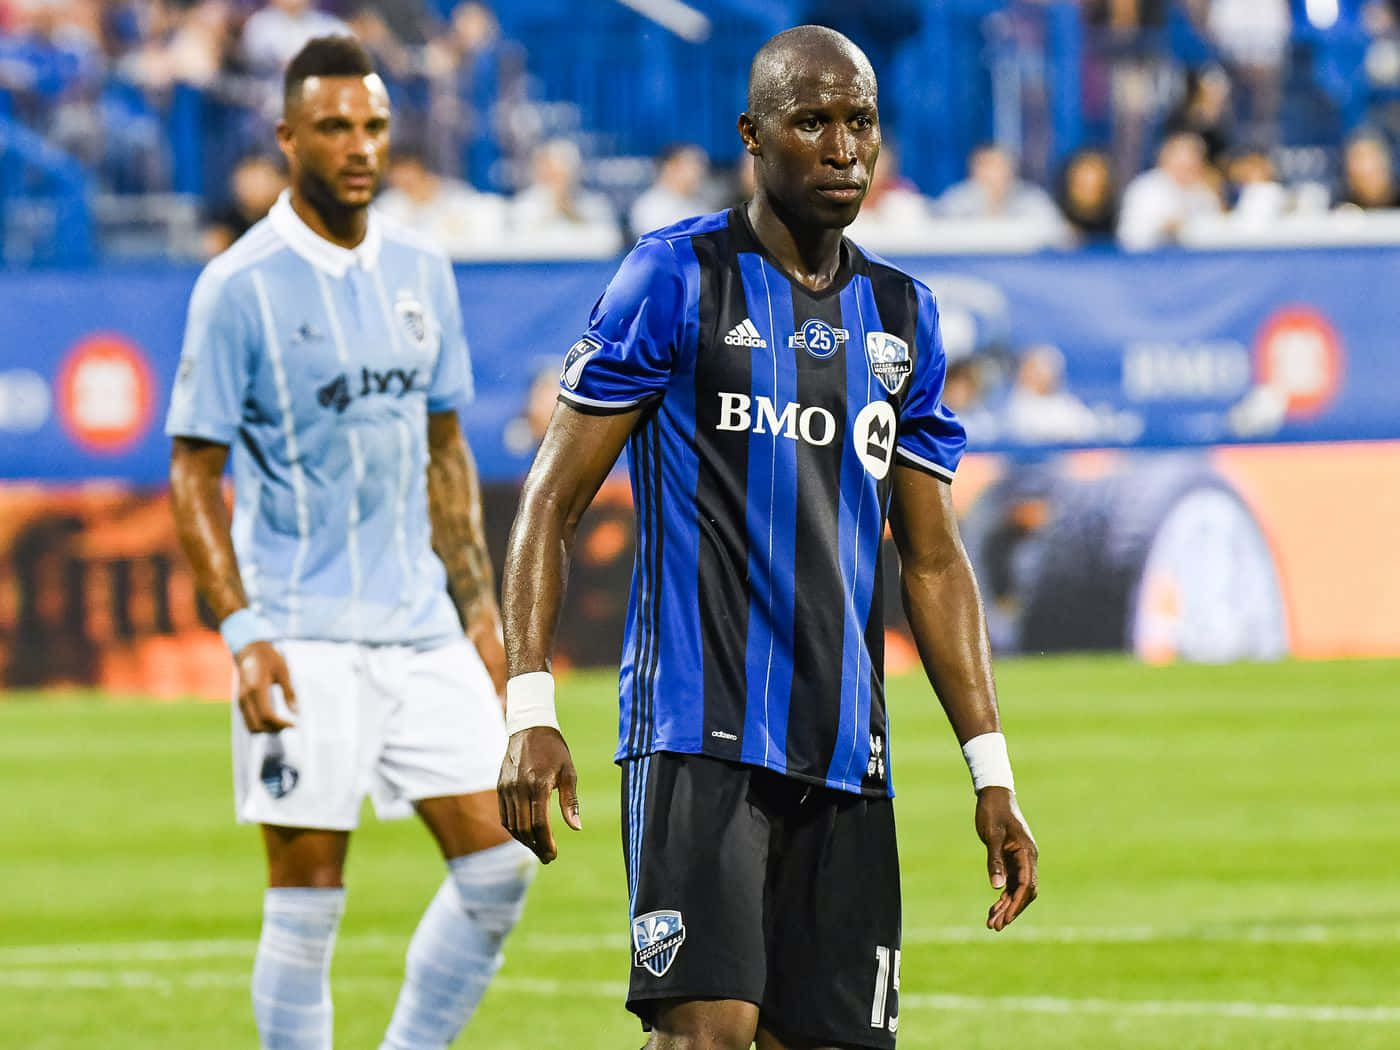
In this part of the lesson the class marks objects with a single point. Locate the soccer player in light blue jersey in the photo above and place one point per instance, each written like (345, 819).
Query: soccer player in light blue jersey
(353, 585)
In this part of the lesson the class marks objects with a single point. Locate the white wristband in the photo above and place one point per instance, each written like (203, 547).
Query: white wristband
(530, 702)
(988, 762)
(242, 628)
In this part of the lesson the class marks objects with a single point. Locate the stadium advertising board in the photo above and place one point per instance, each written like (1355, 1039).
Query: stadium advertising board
(1178, 456)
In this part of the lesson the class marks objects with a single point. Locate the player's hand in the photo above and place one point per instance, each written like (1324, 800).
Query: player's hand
(537, 761)
(1011, 854)
(260, 668)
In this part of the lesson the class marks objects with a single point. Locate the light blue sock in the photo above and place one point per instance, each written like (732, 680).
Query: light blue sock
(291, 974)
(457, 946)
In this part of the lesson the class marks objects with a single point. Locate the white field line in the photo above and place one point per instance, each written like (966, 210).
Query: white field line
(1323, 1013)
(238, 948)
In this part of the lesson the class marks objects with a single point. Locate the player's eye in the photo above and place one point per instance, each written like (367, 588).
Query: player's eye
(863, 123)
(809, 124)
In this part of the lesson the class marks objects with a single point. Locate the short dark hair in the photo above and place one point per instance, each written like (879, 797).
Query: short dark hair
(325, 56)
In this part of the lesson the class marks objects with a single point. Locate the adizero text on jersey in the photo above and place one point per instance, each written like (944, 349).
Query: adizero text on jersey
(761, 473)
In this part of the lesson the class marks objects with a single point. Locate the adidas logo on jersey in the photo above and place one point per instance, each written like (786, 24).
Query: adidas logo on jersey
(745, 334)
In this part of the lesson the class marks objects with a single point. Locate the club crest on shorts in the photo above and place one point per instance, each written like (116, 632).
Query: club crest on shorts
(413, 317)
(657, 936)
(278, 777)
(889, 359)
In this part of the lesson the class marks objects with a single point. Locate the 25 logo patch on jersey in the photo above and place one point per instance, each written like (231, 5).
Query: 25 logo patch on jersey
(579, 355)
(656, 937)
(818, 338)
(889, 359)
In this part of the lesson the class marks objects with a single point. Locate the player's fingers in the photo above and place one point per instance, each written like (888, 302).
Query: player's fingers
(539, 823)
(272, 722)
(283, 677)
(568, 796)
(249, 711)
(1023, 883)
(996, 862)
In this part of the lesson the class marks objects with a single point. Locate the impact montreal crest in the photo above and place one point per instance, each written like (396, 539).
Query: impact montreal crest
(657, 936)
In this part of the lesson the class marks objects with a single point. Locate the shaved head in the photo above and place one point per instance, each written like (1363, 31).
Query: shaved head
(802, 54)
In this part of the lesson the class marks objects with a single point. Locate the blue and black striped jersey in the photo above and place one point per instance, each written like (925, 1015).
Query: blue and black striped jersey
(761, 472)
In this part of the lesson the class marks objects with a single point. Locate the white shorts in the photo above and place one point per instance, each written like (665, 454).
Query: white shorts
(392, 722)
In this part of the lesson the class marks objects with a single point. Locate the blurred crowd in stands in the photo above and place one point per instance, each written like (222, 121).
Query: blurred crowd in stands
(476, 166)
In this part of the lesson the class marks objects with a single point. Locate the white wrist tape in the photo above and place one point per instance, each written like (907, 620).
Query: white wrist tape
(530, 702)
(988, 762)
(242, 628)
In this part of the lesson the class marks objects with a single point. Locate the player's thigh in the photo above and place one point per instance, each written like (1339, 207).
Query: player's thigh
(446, 732)
(834, 905)
(715, 1024)
(462, 824)
(696, 851)
(312, 775)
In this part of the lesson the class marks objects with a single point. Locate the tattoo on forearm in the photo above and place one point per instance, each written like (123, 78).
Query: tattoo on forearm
(459, 537)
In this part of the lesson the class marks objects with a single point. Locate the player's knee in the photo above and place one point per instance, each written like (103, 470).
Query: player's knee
(492, 884)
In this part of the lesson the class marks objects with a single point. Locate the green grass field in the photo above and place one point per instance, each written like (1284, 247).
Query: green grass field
(1220, 868)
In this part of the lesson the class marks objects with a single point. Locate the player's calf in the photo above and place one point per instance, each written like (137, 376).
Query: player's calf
(291, 974)
(457, 947)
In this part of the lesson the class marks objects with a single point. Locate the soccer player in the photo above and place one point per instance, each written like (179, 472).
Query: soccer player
(777, 389)
(326, 348)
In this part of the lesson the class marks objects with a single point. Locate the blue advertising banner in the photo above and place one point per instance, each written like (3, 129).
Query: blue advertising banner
(1047, 351)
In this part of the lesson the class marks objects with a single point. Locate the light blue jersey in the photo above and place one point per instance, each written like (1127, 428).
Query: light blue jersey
(319, 366)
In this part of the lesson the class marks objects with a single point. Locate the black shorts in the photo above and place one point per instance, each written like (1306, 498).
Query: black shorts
(746, 884)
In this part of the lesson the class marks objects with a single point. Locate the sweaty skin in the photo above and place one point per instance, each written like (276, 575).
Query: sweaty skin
(813, 130)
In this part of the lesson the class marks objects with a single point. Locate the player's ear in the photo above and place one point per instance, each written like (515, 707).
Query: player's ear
(748, 131)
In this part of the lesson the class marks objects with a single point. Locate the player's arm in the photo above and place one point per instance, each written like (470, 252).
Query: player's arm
(202, 523)
(945, 614)
(578, 451)
(459, 538)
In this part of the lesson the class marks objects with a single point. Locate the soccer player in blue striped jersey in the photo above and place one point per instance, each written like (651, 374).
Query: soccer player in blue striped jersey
(777, 390)
(353, 585)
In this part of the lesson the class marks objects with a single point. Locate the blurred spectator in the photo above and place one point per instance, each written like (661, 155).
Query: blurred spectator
(253, 187)
(1089, 195)
(677, 193)
(1368, 175)
(407, 21)
(1126, 54)
(992, 191)
(1259, 197)
(477, 96)
(893, 205)
(741, 182)
(1205, 110)
(555, 214)
(523, 433)
(1158, 203)
(1253, 37)
(276, 32)
(964, 394)
(466, 223)
(1039, 411)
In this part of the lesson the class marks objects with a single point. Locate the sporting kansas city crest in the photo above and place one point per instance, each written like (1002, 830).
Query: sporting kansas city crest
(657, 936)
(889, 359)
(277, 776)
(412, 316)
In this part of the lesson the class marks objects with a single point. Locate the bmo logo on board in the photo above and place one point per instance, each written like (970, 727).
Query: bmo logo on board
(105, 394)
